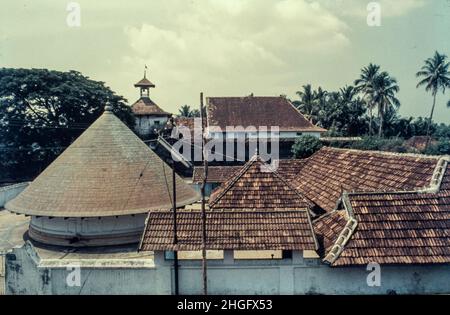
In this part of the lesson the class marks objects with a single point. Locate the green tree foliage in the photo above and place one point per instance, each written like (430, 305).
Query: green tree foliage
(440, 148)
(383, 93)
(305, 146)
(435, 76)
(186, 111)
(342, 112)
(43, 111)
(364, 85)
(307, 103)
(380, 144)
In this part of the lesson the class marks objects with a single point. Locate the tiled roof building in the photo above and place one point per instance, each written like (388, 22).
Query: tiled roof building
(254, 209)
(397, 227)
(381, 207)
(257, 111)
(99, 189)
(330, 171)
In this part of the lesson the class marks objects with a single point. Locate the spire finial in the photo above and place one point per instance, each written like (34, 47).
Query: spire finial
(145, 72)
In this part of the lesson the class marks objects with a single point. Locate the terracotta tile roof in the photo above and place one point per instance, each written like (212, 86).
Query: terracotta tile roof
(255, 209)
(288, 168)
(392, 228)
(330, 171)
(328, 227)
(145, 106)
(257, 187)
(107, 171)
(216, 174)
(256, 111)
(237, 230)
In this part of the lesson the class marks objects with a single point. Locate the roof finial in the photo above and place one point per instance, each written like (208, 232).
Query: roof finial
(145, 72)
(108, 107)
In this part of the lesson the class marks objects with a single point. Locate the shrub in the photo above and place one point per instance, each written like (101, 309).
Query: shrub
(305, 146)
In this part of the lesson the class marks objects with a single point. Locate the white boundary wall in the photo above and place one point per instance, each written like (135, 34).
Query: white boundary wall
(26, 273)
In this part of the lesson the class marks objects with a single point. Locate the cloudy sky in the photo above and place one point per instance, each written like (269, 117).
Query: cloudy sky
(229, 47)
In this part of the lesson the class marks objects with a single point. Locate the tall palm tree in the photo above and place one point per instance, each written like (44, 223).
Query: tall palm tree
(434, 76)
(383, 91)
(307, 103)
(364, 84)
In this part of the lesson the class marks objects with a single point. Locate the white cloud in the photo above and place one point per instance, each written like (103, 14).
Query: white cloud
(234, 45)
(358, 8)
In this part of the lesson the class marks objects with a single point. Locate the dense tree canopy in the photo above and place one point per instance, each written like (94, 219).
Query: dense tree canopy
(43, 111)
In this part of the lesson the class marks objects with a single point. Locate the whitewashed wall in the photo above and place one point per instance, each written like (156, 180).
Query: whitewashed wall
(25, 274)
(11, 191)
(145, 124)
(263, 135)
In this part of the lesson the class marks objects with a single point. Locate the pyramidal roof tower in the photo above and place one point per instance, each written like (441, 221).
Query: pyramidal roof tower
(98, 191)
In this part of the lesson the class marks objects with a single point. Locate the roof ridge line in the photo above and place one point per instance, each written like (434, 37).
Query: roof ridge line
(235, 179)
(433, 187)
(291, 186)
(316, 242)
(416, 155)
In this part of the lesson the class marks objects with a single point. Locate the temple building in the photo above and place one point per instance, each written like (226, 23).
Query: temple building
(149, 116)
(98, 191)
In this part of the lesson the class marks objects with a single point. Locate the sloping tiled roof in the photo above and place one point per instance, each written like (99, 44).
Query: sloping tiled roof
(330, 171)
(392, 228)
(288, 168)
(237, 230)
(255, 209)
(107, 171)
(329, 226)
(145, 106)
(256, 111)
(216, 174)
(257, 187)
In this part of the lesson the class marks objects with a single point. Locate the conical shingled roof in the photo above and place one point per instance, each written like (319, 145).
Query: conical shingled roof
(107, 171)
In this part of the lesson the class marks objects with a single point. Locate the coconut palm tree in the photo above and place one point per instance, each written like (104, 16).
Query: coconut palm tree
(363, 85)
(434, 76)
(307, 103)
(185, 111)
(383, 91)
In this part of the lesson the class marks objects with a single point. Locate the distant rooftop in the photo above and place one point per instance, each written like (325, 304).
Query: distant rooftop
(257, 111)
